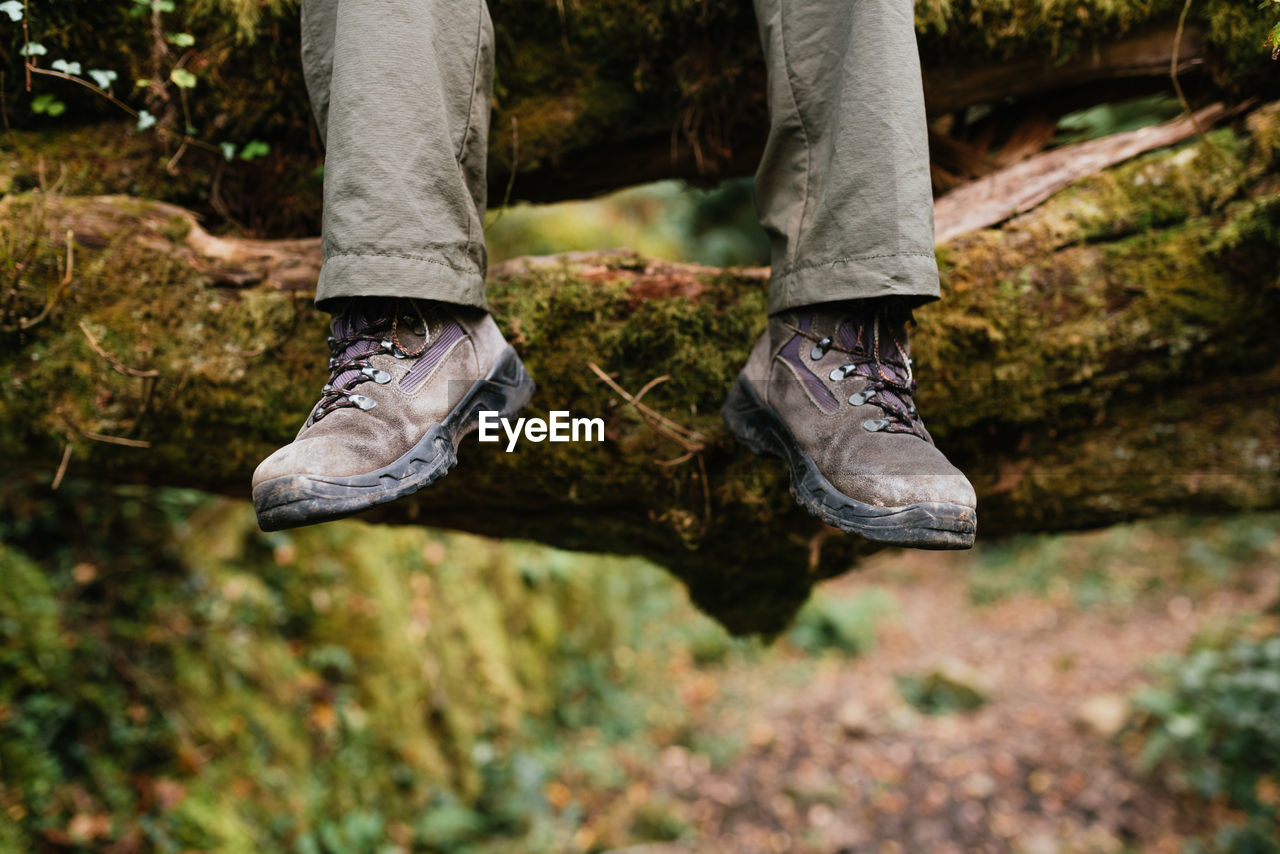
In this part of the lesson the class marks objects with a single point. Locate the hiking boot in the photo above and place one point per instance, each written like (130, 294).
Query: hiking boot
(830, 390)
(407, 381)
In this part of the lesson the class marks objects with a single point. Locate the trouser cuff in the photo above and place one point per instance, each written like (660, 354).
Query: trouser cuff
(424, 277)
(912, 274)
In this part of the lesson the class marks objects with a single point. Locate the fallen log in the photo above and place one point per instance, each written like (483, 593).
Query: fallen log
(1105, 356)
(995, 197)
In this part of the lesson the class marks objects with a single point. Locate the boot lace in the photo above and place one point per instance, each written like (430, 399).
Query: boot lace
(885, 365)
(358, 332)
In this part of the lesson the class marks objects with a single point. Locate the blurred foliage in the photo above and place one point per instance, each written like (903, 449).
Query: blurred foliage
(1105, 119)
(1214, 722)
(940, 691)
(847, 624)
(1117, 566)
(173, 679)
(667, 219)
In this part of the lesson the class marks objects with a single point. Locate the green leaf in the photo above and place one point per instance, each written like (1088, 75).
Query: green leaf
(145, 120)
(256, 148)
(103, 77)
(228, 150)
(1183, 726)
(33, 49)
(162, 5)
(182, 78)
(12, 8)
(48, 105)
(65, 67)
(180, 39)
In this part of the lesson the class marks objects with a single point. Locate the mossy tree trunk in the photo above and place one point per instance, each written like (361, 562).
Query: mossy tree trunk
(1106, 356)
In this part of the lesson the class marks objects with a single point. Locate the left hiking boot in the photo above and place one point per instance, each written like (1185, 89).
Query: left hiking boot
(407, 381)
(830, 389)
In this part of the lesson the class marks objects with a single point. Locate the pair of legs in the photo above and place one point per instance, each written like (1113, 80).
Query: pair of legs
(401, 90)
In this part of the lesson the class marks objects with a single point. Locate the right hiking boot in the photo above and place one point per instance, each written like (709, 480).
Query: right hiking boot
(407, 381)
(830, 390)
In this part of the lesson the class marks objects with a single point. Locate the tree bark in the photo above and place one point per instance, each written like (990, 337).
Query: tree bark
(1106, 356)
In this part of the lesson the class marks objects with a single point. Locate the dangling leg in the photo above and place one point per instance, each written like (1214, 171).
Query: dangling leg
(401, 91)
(843, 191)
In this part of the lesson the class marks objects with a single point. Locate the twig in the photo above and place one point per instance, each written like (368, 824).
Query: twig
(62, 75)
(26, 40)
(692, 434)
(37, 227)
(706, 494)
(649, 386)
(172, 166)
(4, 108)
(691, 441)
(63, 284)
(71, 257)
(511, 181)
(62, 466)
(115, 440)
(1173, 67)
(688, 439)
(115, 363)
(1182, 98)
(165, 132)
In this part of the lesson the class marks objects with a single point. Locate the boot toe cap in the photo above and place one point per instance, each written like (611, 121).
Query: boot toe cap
(319, 456)
(903, 489)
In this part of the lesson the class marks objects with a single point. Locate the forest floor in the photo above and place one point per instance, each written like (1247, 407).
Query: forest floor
(832, 758)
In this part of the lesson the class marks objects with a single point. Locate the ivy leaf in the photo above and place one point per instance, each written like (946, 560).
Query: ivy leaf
(145, 120)
(254, 149)
(228, 150)
(182, 78)
(12, 8)
(47, 104)
(103, 77)
(33, 49)
(62, 65)
(180, 39)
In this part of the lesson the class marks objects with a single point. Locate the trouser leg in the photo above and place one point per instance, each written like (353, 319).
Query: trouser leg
(843, 187)
(401, 90)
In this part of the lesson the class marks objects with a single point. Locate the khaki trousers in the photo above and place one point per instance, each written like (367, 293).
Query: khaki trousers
(401, 90)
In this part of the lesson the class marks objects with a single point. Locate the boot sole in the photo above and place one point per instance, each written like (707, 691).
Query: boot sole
(296, 500)
(927, 525)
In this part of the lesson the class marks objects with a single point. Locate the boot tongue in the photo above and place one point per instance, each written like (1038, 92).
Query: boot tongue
(859, 333)
(360, 318)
